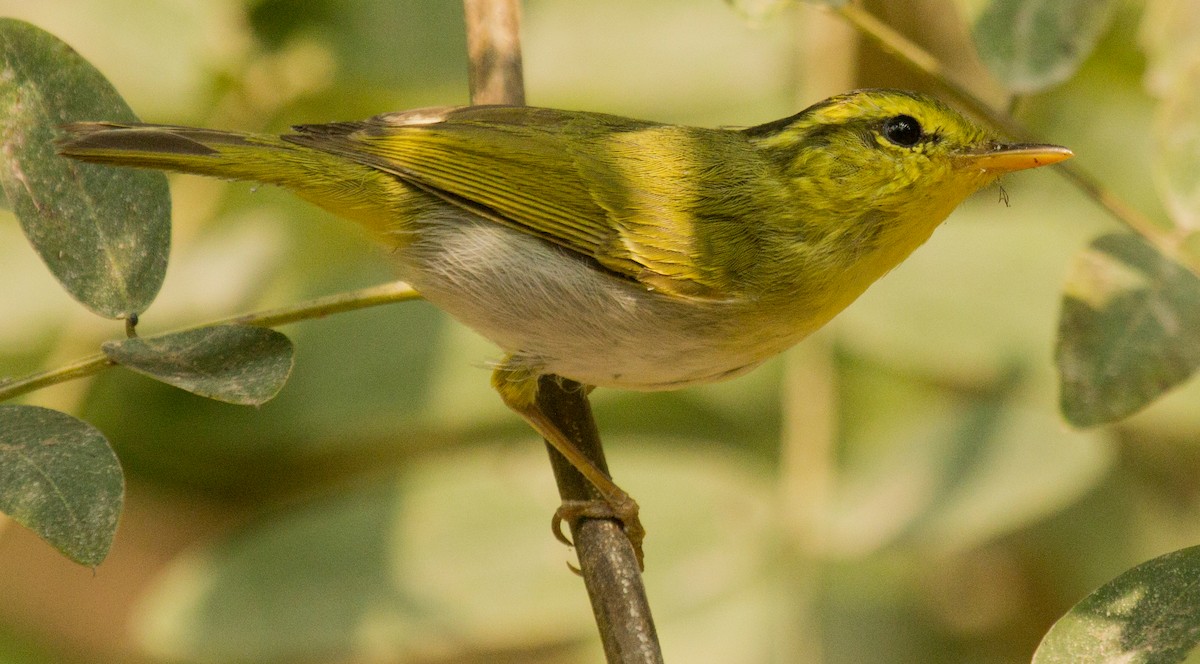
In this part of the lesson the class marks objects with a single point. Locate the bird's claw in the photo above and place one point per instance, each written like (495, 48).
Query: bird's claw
(573, 511)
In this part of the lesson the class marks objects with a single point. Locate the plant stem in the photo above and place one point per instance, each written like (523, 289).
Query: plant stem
(607, 561)
(372, 296)
(79, 369)
(495, 73)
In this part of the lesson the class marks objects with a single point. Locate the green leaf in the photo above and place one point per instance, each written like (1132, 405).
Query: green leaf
(1129, 330)
(237, 364)
(1148, 615)
(1034, 44)
(103, 232)
(60, 479)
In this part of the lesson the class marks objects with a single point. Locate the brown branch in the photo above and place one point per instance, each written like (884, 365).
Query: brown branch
(494, 48)
(607, 561)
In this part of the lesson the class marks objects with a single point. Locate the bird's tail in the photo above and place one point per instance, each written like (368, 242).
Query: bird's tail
(339, 184)
(224, 154)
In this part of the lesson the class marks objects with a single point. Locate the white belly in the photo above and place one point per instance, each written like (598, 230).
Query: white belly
(555, 313)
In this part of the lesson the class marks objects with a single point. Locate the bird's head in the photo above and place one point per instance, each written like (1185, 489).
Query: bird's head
(891, 151)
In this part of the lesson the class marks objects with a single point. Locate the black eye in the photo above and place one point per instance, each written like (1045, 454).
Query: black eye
(903, 130)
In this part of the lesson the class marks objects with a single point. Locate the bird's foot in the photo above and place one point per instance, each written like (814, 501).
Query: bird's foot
(571, 512)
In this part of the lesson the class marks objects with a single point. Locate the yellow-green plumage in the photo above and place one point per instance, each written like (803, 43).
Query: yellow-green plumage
(613, 251)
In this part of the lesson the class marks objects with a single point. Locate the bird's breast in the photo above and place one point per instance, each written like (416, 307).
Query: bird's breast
(557, 312)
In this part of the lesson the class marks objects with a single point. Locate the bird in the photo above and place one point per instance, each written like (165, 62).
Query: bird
(616, 252)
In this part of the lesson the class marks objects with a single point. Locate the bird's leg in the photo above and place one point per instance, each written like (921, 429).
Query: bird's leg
(518, 387)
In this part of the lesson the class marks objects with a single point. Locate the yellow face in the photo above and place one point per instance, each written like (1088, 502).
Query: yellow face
(873, 172)
(887, 150)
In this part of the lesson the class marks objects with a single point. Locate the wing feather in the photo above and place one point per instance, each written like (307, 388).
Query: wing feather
(622, 192)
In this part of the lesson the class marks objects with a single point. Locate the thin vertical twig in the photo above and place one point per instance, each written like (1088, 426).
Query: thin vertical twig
(607, 562)
(495, 74)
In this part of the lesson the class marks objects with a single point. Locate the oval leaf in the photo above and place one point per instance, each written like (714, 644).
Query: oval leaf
(60, 479)
(237, 364)
(1129, 330)
(103, 232)
(1033, 44)
(1148, 615)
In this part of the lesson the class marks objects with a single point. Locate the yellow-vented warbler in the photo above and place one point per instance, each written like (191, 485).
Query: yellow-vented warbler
(618, 252)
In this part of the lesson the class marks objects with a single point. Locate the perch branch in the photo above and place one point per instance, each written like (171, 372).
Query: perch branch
(607, 561)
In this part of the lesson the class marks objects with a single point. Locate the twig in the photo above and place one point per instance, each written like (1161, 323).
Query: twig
(92, 364)
(495, 74)
(607, 561)
(360, 299)
(372, 296)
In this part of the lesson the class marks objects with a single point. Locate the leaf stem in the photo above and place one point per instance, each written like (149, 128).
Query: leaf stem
(372, 296)
(87, 366)
(607, 562)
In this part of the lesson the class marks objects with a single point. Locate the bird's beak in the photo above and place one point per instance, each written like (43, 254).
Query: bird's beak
(1000, 158)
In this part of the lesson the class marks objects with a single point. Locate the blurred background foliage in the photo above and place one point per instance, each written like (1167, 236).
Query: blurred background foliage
(900, 488)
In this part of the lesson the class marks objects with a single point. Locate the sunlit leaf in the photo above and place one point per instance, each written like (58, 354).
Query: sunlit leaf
(60, 479)
(756, 11)
(1170, 38)
(1033, 44)
(1177, 135)
(103, 232)
(1129, 331)
(233, 363)
(1148, 615)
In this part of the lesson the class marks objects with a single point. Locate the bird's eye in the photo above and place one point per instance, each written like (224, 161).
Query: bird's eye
(903, 130)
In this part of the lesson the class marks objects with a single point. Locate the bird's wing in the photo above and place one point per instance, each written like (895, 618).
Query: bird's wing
(616, 190)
